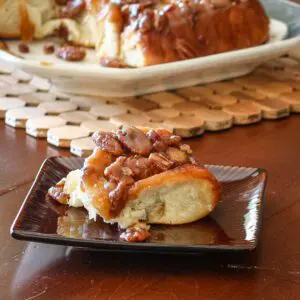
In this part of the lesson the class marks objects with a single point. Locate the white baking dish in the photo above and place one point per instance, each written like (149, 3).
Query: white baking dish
(90, 78)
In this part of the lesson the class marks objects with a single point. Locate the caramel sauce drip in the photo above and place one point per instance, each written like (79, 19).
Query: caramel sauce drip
(27, 28)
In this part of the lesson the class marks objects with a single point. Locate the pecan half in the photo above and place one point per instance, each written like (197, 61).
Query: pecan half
(135, 235)
(108, 142)
(161, 161)
(135, 140)
(71, 53)
(23, 48)
(49, 48)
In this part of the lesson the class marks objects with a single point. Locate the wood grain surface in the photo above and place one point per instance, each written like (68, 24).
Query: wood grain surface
(38, 271)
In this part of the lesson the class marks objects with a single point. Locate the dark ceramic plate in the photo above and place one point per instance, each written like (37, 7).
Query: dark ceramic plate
(234, 225)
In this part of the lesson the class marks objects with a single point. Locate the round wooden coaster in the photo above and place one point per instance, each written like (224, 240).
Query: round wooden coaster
(35, 99)
(161, 114)
(8, 79)
(164, 99)
(7, 103)
(93, 126)
(129, 120)
(140, 104)
(156, 125)
(222, 100)
(58, 94)
(77, 117)
(85, 103)
(38, 127)
(62, 136)
(57, 107)
(6, 68)
(224, 87)
(185, 126)
(270, 92)
(15, 90)
(195, 93)
(244, 113)
(272, 108)
(21, 75)
(215, 120)
(106, 111)
(292, 99)
(40, 84)
(274, 89)
(187, 108)
(18, 117)
(251, 82)
(82, 147)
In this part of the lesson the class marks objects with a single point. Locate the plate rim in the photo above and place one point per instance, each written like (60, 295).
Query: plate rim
(20, 234)
(93, 70)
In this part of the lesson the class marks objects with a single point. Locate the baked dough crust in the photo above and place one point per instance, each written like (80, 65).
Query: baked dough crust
(145, 33)
(145, 197)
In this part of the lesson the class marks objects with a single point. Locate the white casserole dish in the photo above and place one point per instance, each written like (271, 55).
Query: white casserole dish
(89, 78)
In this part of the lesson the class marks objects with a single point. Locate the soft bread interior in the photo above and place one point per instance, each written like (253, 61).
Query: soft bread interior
(39, 13)
(178, 203)
(177, 196)
(18, 17)
(10, 20)
(131, 52)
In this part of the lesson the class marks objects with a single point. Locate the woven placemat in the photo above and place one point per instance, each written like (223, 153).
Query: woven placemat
(65, 120)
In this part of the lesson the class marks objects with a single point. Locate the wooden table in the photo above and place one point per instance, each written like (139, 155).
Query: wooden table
(40, 271)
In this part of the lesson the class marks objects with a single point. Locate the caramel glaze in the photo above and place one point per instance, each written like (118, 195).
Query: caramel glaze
(171, 30)
(177, 30)
(127, 156)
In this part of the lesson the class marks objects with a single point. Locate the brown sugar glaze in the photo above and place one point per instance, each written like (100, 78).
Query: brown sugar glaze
(129, 155)
(176, 30)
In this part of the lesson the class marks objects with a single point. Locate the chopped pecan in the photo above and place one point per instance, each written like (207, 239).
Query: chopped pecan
(135, 140)
(161, 161)
(127, 168)
(23, 48)
(49, 48)
(126, 171)
(161, 139)
(186, 148)
(135, 235)
(177, 155)
(71, 53)
(108, 142)
(141, 167)
(160, 146)
(112, 63)
(153, 136)
(115, 172)
(174, 140)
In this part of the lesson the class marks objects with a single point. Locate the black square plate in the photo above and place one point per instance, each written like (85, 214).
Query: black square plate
(233, 226)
